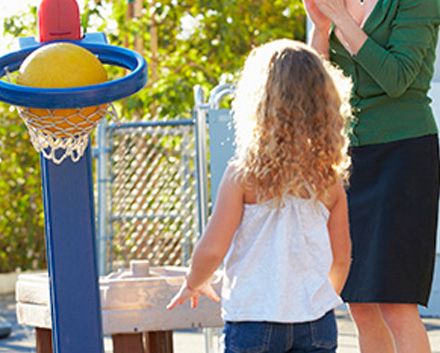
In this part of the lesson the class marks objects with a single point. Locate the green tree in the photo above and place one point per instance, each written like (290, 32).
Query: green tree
(185, 43)
(21, 216)
(195, 42)
(21, 206)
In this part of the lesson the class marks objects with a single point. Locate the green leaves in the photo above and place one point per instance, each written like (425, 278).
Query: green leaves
(21, 24)
(199, 42)
(21, 216)
(184, 42)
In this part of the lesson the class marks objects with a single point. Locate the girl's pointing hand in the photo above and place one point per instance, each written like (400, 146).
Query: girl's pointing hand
(187, 292)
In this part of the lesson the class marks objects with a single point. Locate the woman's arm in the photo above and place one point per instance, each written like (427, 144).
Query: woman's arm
(352, 37)
(339, 236)
(215, 242)
(321, 28)
(319, 42)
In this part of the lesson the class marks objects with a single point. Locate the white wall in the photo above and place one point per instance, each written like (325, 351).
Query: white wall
(433, 308)
(434, 93)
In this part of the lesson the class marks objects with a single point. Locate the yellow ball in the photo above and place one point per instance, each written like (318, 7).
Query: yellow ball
(62, 65)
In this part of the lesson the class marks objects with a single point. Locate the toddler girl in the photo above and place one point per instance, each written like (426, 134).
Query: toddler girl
(280, 221)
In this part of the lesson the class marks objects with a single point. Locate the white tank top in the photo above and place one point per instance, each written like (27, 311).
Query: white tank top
(278, 264)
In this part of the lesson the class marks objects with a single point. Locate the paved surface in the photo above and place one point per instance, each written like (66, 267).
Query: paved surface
(22, 338)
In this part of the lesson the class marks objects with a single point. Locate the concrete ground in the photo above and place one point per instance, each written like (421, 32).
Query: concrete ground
(22, 338)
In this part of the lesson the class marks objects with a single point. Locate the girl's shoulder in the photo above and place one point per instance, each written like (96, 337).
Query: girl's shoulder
(234, 176)
(333, 195)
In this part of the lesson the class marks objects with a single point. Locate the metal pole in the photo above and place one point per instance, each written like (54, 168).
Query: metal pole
(202, 165)
(102, 176)
(218, 93)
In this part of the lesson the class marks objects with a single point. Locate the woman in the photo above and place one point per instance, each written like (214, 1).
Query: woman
(388, 49)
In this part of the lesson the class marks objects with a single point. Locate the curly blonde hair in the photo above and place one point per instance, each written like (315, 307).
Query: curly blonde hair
(290, 116)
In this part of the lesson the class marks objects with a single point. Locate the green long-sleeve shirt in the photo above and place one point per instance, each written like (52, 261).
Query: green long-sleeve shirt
(392, 71)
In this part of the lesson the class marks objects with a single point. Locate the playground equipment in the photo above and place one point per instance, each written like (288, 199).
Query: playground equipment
(62, 142)
(67, 182)
(133, 308)
(144, 325)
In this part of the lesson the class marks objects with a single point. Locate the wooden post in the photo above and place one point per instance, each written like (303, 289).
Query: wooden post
(43, 338)
(128, 343)
(159, 342)
(148, 342)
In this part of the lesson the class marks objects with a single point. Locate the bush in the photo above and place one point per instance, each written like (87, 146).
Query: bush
(21, 218)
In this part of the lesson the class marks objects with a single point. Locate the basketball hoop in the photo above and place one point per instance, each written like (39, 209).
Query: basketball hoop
(60, 120)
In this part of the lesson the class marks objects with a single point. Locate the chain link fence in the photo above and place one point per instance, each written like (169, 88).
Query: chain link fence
(152, 188)
(150, 201)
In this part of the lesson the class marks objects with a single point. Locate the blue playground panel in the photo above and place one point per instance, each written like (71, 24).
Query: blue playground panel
(70, 244)
(221, 148)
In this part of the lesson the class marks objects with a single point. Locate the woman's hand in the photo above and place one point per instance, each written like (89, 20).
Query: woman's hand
(322, 23)
(187, 292)
(348, 31)
(334, 10)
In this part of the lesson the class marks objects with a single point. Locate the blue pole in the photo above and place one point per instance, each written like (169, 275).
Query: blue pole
(71, 256)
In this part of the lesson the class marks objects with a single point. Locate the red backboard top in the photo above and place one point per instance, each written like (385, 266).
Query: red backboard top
(59, 19)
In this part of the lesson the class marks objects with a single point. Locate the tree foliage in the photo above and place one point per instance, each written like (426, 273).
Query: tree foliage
(21, 216)
(195, 42)
(185, 43)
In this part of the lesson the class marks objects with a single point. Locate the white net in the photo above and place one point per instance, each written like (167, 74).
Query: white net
(62, 133)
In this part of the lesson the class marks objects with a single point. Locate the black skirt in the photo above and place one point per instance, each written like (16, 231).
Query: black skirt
(393, 206)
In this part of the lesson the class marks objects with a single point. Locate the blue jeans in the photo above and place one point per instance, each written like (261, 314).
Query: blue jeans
(318, 336)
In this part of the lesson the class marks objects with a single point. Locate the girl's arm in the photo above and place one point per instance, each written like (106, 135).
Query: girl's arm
(339, 236)
(215, 242)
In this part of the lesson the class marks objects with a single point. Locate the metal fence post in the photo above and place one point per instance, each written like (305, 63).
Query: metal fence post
(102, 180)
(202, 165)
